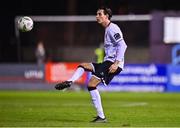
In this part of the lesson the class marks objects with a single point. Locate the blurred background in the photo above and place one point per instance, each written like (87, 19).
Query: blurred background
(150, 29)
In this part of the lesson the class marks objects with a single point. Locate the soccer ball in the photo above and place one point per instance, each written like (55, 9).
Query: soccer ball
(25, 24)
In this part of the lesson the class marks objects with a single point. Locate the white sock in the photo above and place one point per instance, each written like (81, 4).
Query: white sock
(96, 99)
(77, 74)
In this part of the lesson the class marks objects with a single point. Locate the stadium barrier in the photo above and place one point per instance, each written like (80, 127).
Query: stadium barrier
(139, 77)
(22, 73)
(134, 77)
(58, 72)
(173, 74)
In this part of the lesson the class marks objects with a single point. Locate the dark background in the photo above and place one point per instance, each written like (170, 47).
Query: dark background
(11, 8)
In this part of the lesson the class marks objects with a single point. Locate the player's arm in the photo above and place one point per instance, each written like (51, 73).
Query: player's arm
(117, 37)
(121, 48)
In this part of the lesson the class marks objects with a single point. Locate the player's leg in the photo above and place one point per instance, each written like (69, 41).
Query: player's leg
(77, 74)
(96, 99)
(80, 70)
(100, 74)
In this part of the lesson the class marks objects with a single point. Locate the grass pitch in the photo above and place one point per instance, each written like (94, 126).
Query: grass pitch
(74, 109)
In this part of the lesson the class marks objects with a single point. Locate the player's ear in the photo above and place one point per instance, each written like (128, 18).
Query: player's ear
(107, 16)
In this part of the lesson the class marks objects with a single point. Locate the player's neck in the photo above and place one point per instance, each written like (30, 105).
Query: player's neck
(106, 24)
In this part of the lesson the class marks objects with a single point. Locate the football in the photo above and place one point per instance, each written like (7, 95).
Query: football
(25, 24)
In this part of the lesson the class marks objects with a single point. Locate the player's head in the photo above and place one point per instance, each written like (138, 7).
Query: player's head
(107, 11)
(103, 14)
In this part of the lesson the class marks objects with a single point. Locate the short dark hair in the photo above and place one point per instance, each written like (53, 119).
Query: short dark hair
(106, 11)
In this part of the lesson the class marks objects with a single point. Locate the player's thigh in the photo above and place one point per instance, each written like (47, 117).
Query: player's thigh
(93, 82)
(87, 66)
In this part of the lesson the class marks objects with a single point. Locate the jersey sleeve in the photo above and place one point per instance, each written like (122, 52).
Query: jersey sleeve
(115, 34)
(121, 48)
(117, 39)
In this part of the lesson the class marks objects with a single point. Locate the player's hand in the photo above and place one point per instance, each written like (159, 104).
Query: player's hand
(113, 68)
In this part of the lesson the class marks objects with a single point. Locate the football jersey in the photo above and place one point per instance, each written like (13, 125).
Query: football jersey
(114, 44)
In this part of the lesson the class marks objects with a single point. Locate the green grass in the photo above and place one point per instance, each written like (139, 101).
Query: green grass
(74, 109)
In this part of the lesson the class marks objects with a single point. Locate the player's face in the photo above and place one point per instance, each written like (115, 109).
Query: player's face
(101, 17)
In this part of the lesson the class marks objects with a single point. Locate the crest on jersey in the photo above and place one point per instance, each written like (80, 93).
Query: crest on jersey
(117, 36)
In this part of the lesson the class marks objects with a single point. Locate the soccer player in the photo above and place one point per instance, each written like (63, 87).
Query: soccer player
(115, 47)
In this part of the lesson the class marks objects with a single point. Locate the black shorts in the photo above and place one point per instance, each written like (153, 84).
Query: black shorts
(101, 71)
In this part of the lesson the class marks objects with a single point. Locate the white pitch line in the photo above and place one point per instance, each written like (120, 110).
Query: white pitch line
(133, 104)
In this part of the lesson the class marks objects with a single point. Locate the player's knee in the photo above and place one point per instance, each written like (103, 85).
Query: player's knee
(92, 85)
(84, 66)
(81, 66)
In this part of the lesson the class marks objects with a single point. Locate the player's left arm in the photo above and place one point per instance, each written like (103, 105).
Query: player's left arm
(121, 48)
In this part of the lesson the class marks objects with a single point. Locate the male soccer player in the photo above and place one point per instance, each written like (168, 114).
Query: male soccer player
(115, 47)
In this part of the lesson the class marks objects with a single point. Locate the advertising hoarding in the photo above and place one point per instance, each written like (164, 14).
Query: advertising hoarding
(139, 77)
